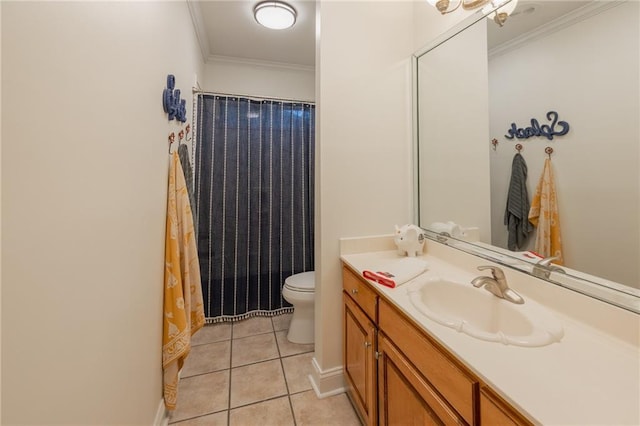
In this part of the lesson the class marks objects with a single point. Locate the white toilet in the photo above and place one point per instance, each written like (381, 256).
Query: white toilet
(299, 290)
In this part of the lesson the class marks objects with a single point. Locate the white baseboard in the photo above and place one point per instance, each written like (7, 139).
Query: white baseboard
(328, 382)
(162, 415)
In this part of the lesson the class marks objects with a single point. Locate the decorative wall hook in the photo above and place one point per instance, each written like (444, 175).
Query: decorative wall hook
(188, 129)
(172, 139)
(494, 142)
(518, 147)
(548, 150)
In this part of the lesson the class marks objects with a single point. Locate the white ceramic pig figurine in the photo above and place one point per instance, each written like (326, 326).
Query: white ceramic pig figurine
(409, 239)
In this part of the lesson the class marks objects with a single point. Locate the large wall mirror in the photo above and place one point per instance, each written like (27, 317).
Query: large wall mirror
(561, 61)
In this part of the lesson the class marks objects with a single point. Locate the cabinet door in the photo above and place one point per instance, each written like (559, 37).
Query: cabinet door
(359, 360)
(405, 397)
(494, 412)
(440, 369)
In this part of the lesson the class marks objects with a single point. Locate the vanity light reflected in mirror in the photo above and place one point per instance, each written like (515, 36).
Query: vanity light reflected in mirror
(496, 10)
(500, 15)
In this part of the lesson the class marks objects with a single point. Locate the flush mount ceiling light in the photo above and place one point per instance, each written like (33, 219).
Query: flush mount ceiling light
(275, 15)
(499, 15)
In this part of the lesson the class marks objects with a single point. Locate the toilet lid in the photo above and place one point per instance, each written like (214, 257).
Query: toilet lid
(305, 281)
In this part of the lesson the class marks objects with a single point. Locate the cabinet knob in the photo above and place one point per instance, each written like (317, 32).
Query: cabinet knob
(354, 291)
(367, 344)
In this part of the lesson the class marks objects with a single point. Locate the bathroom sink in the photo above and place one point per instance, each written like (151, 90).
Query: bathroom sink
(480, 314)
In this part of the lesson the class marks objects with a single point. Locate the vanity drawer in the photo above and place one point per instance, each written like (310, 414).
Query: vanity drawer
(360, 292)
(457, 387)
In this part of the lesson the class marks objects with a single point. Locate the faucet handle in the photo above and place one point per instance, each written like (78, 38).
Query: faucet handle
(547, 260)
(495, 271)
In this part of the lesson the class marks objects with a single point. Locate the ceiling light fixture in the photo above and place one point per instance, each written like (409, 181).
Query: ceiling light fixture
(275, 15)
(501, 8)
(500, 14)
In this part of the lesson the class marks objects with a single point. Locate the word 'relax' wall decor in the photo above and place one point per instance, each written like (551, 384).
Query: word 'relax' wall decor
(547, 130)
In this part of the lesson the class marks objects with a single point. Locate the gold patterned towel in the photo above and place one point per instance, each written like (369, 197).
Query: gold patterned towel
(544, 215)
(183, 306)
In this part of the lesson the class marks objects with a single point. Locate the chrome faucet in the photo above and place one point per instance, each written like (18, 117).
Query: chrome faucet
(443, 237)
(544, 268)
(497, 285)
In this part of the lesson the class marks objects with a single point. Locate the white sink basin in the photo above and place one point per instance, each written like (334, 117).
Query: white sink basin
(478, 313)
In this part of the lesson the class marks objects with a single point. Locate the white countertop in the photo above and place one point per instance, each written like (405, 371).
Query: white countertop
(591, 377)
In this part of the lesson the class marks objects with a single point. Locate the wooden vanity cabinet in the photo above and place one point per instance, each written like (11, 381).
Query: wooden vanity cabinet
(396, 374)
(495, 412)
(361, 293)
(458, 390)
(359, 350)
(405, 396)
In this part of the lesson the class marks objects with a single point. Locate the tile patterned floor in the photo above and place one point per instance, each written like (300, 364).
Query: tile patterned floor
(248, 373)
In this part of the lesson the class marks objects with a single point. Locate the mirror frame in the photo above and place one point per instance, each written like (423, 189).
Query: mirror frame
(616, 294)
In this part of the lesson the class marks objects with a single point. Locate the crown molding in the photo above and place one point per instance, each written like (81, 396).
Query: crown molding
(205, 49)
(199, 28)
(578, 15)
(258, 63)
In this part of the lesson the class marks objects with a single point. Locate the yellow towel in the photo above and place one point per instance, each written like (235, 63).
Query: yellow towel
(183, 306)
(544, 215)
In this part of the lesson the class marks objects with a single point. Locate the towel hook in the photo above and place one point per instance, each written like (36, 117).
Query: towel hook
(172, 138)
(548, 150)
(494, 142)
(180, 136)
(188, 129)
(519, 147)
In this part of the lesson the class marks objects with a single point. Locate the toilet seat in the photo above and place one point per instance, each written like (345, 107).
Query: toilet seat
(304, 282)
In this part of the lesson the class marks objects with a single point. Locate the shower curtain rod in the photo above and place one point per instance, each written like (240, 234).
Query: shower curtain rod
(197, 90)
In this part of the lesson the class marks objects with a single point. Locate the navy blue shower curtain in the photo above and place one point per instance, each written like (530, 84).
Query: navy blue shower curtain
(254, 189)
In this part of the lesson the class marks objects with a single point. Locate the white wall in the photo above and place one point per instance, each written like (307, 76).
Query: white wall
(596, 164)
(453, 176)
(252, 78)
(453, 132)
(364, 181)
(84, 180)
(363, 148)
(0, 228)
